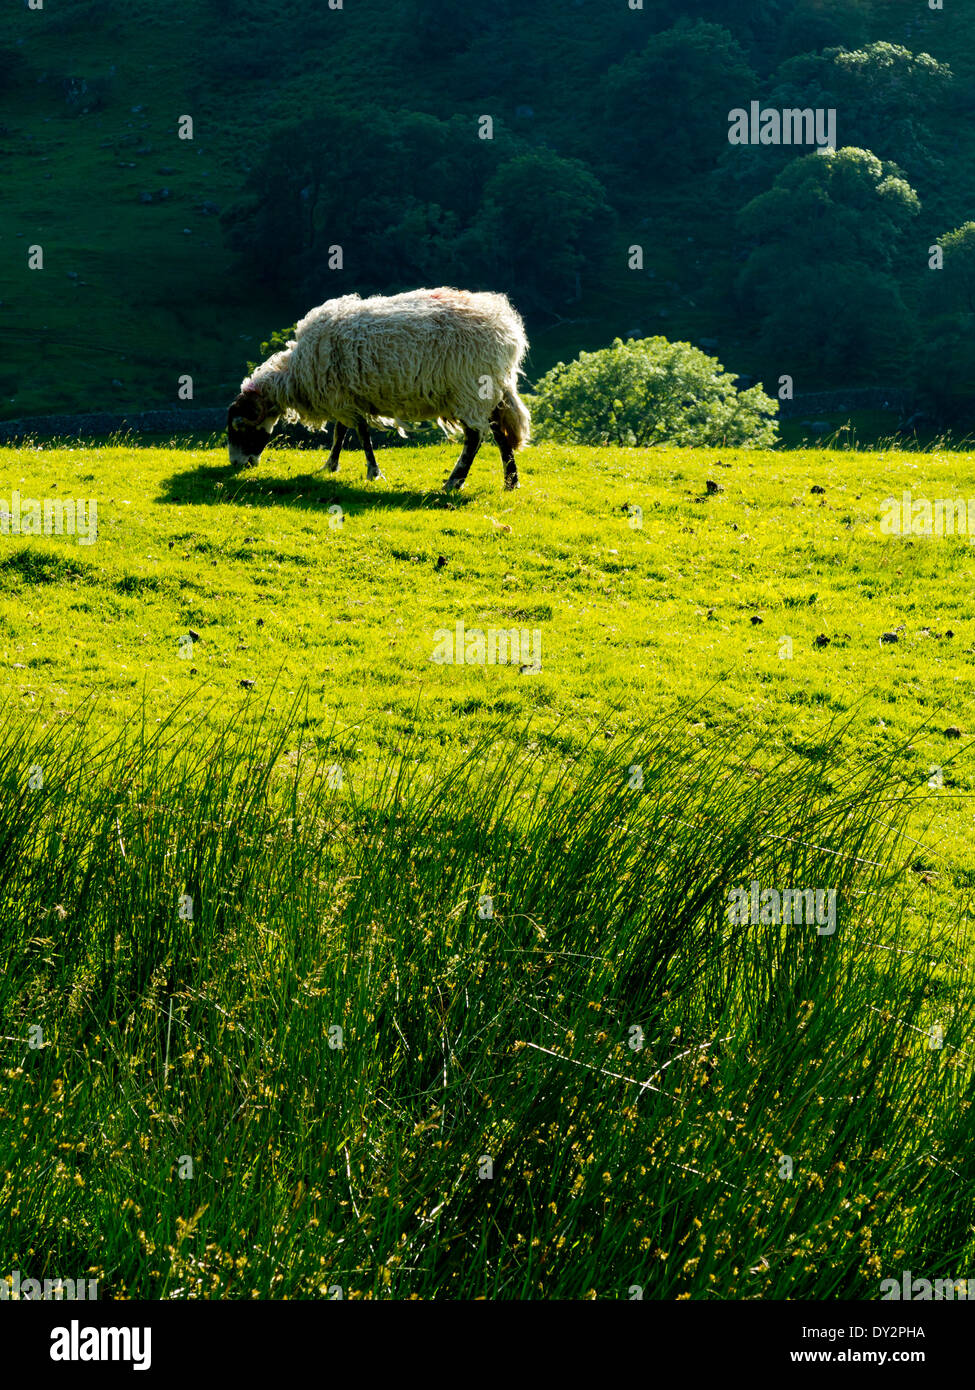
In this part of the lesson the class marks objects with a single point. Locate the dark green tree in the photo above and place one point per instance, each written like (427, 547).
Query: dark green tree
(544, 221)
(883, 95)
(819, 279)
(664, 110)
(946, 358)
(952, 288)
(394, 192)
(838, 324)
(815, 24)
(836, 206)
(945, 374)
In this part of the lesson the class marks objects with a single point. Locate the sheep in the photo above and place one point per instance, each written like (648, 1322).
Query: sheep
(447, 355)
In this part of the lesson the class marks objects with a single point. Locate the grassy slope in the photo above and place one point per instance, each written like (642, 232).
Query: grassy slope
(130, 315)
(157, 302)
(631, 620)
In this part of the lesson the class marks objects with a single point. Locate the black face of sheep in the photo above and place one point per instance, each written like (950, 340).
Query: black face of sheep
(250, 421)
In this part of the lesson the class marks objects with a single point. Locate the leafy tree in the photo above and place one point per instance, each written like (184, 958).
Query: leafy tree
(953, 287)
(393, 192)
(825, 238)
(665, 108)
(843, 323)
(543, 220)
(436, 205)
(945, 376)
(833, 206)
(882, 94)
(815, 24)
(774, 29)
(277, 342)
(650, 392)
(946, 359)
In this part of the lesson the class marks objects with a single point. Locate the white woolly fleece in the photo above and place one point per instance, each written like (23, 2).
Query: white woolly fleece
(444, 354)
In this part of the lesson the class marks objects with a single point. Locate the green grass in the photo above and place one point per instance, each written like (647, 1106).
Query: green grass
(449, 1034)
(632, 619)
(339, 825)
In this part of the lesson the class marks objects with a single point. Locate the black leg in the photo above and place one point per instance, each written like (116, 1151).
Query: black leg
(372, 467)
(506, 449)
(472, 442)
(338, 439)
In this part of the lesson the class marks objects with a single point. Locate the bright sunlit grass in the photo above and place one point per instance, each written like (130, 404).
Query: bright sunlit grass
(417, 978)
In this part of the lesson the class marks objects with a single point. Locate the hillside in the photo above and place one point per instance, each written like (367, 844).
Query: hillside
(139, 285)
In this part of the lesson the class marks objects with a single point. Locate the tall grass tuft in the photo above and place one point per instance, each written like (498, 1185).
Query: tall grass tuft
(276, 1027)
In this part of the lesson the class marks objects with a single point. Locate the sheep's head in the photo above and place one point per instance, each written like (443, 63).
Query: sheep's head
(250, 420)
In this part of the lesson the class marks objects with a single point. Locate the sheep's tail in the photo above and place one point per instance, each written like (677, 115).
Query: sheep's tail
(515, 420)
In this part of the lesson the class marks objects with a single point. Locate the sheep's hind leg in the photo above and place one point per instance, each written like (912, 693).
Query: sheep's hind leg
(506, 448)
(372, 467)
(472, 442)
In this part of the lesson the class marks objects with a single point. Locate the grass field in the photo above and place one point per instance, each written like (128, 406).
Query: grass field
(456, 866)
(278, 584)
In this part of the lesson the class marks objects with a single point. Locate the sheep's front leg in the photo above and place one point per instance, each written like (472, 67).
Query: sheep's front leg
(472, 442)
(372, 467)
(338, 439)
